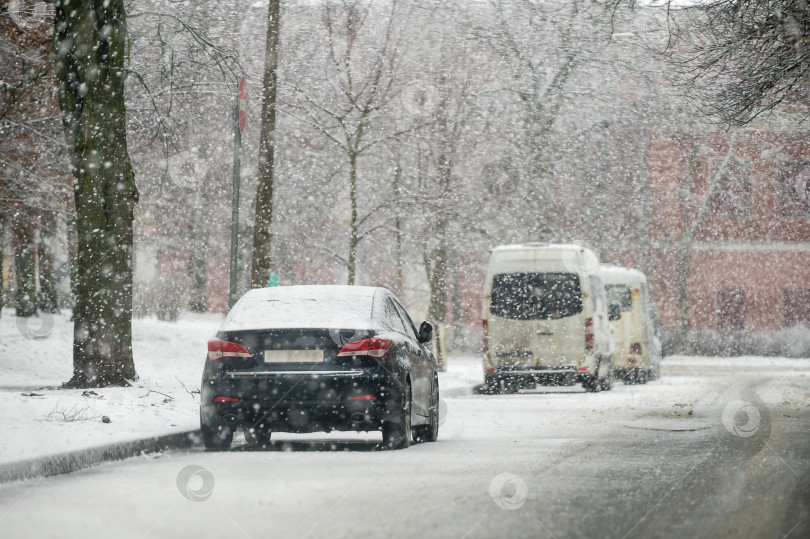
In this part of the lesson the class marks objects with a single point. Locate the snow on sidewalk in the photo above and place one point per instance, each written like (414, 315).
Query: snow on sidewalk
(40, 419)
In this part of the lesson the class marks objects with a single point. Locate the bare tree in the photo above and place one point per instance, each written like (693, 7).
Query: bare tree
(264, 195)
(694, 207)
(737, 58)
(364, 77)
(746, 57)
(35, 188)
(541, 45)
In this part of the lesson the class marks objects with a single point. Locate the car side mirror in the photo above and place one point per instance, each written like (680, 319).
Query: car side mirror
(614, 311)
(425, 333)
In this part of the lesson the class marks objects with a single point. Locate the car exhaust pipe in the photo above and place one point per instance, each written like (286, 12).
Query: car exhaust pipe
(358, 417)
(230, 418)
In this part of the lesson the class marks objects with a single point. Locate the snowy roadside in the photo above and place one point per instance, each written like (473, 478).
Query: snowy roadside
(40, 419)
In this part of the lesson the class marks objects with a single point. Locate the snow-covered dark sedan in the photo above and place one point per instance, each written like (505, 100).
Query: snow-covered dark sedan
(319, 358)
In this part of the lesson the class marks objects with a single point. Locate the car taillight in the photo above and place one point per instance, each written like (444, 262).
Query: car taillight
(588, 334)
(225, 399)
(635, 348)
(485, 341)
(218, 349)
(363, 398)
(374, 347)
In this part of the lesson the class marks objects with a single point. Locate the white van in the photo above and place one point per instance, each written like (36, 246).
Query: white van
(636, 358)
(545, 319)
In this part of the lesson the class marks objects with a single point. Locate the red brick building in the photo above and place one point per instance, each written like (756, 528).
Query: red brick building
(743, 213)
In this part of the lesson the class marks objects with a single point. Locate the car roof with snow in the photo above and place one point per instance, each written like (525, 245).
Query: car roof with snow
(566, 257)
(539, 245)
(612, 274)
(305, 307)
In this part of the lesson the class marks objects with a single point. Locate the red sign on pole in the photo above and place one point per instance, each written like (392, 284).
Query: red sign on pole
(242, 104)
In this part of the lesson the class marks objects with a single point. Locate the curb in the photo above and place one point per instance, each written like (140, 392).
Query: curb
(72, 461)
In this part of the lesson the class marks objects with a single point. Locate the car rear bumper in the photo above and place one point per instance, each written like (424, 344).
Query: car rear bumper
(292, 401)
(543, 375)
(631, 362)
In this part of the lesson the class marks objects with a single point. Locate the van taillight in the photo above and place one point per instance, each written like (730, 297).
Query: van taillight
(218, 349)
(588, 334)
(374, 347)
(485, 338)
(635, 348)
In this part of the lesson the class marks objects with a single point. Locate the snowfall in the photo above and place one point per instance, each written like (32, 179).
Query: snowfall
(547, 462)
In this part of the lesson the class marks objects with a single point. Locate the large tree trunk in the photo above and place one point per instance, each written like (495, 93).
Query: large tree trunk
(91, 39)
(262, 252)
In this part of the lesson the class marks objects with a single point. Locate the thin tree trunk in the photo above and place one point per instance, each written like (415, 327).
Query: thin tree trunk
(91, 39)
(48, 302)
(353, 234)
(262, 248)
(197, 275)
(398, 231)
(437, 310)
(457, 308)
(25, 251)
(198, 301)
(683, 297)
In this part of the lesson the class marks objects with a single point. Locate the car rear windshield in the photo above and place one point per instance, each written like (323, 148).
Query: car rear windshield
(620, 293)
(268, 312)
(535, 296)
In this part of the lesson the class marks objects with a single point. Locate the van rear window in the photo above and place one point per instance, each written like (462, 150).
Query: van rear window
(620, 293)
(535, 296)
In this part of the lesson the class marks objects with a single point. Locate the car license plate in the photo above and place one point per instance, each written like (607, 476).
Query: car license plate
(293, 356)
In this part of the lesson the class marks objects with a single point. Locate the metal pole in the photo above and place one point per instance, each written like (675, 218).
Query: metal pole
(237, 146)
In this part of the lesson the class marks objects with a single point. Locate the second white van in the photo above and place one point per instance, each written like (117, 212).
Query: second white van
(636, 360)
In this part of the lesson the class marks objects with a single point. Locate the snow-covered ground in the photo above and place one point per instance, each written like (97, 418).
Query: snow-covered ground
(39, 418)
(660, 459)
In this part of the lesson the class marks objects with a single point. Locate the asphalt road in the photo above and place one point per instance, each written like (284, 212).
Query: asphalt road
(711, 450)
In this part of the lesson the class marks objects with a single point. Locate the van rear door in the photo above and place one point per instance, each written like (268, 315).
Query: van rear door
(536, 319)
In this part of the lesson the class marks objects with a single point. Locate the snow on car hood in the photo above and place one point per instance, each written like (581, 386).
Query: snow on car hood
(303, 307)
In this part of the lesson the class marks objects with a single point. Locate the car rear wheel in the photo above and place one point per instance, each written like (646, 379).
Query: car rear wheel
(258, 435)
(398, 435)
(430, 432)
(216, 437)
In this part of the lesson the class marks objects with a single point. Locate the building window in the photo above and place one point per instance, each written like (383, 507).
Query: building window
(795, 307)
(731, 309)
(732, 194)
(794, 196)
